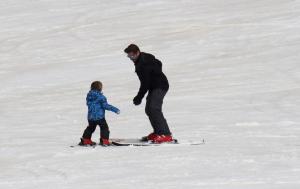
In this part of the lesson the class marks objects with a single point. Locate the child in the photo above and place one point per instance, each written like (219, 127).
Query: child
(97, 104)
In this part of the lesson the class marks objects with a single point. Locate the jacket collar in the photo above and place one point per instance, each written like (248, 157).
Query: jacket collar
(138, 59)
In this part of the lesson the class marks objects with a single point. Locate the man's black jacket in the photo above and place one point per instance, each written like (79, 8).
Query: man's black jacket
(149, 71)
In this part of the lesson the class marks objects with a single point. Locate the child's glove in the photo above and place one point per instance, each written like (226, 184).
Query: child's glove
(118, 112)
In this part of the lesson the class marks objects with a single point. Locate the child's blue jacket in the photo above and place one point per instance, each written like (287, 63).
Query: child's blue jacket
(97, 104)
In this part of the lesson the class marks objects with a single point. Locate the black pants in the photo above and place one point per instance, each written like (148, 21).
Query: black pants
(154, 111)
(104, 130)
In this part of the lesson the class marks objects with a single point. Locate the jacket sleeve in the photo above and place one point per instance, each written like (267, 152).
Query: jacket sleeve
(107, 106)
(144, 76)
(88, 100)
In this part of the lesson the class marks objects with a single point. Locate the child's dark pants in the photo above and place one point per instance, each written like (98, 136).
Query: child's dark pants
(104, 130)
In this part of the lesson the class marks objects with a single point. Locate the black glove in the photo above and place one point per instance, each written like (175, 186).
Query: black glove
(137, 100)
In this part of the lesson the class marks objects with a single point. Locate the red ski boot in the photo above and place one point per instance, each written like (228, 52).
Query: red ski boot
(162, 139)
(151, 136)
(87, 141)
(104, 142)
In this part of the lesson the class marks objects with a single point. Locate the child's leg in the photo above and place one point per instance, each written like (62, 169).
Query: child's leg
(89, 130)
(104, 130)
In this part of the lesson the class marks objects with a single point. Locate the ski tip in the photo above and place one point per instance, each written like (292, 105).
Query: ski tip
(92, 146)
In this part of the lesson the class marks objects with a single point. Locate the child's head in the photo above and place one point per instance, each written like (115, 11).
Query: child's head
(96, 85)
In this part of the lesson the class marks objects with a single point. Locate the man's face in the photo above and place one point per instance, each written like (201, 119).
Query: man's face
(133, 56)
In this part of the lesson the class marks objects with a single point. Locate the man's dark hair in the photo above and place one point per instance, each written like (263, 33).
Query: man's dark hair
(132, 48)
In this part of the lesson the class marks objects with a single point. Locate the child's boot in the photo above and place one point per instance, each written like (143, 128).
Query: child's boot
(104, 142)
(86, 141)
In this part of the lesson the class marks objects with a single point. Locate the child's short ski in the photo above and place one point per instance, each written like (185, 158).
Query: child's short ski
(87, 146)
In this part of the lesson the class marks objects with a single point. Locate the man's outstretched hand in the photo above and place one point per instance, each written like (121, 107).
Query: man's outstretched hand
(137, 100)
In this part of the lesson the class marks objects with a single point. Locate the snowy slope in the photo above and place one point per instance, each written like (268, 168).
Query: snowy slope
(234, 72)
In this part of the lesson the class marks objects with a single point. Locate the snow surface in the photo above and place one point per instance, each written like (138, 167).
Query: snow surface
(234, 72)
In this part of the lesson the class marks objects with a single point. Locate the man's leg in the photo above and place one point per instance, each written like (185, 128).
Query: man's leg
(148, 112)
(154, 111)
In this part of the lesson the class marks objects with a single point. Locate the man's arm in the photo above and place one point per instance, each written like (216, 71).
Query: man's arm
(145, 80)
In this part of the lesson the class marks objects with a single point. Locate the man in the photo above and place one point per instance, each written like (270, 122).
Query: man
(153, 81)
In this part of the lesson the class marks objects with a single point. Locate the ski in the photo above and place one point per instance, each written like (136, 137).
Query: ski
(138, 142)
(84, 146)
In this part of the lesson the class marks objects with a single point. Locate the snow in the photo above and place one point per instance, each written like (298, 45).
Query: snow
(234, 72)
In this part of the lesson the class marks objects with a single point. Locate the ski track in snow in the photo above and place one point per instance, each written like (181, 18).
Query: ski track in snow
(234, 72)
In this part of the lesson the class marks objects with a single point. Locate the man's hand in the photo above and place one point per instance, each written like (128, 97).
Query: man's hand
(137, 100)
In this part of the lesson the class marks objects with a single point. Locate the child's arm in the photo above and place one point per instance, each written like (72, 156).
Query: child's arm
(88, 100)
(109, 107)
